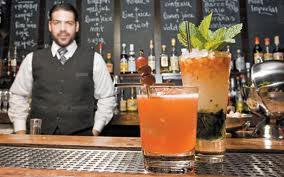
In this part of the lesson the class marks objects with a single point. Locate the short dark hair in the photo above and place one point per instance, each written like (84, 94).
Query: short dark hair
(66, 7)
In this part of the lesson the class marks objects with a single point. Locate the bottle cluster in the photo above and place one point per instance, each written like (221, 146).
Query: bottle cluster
(169, 61)
(240, 81)
(266, 52)
(127, 101)
(9, 65)
(4, 100)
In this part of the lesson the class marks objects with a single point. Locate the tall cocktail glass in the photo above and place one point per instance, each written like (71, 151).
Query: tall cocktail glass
(168, 120)
(211, 75)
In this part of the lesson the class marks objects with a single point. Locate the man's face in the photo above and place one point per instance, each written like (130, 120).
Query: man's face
(63, 27)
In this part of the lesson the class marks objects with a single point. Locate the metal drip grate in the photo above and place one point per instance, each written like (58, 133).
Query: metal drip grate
(236, 164)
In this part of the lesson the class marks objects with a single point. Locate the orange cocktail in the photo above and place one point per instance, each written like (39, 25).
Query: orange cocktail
(168, 120)
(211, 75)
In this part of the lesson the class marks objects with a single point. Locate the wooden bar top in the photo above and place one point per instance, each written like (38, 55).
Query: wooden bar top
(119, 143)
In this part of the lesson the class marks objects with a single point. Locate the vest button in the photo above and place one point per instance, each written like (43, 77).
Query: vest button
(60, 92)
(58, 118)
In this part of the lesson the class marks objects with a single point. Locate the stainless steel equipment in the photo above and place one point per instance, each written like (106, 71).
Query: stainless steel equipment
(268, 81)
(122, 161)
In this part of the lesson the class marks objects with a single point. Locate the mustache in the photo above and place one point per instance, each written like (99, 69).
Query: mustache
(63, 33)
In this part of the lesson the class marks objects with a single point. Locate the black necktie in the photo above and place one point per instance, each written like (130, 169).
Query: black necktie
(62, 52)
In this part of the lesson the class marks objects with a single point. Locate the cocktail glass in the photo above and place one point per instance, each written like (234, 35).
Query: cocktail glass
(168, 120)
(211, 75)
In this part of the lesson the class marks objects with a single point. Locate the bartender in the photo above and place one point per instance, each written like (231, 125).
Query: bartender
(69, 86)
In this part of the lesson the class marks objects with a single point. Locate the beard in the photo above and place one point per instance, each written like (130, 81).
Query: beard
(63, 43)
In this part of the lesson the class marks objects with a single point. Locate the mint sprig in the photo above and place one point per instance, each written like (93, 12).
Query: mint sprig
(202, 37)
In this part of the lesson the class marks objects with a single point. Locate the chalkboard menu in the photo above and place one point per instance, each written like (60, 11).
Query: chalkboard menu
(172, 14)
(265, 19)
(97, 24)
(225, 14)
(3, 20)
(137, 23)
(24, 25)
(2, 6)
(48, 5)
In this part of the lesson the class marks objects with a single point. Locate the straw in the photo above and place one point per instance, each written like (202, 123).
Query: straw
(187, 35)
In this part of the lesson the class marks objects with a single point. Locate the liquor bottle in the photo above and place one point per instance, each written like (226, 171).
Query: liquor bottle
(122, 102)
(5, 67)
(123, 60)
(100, 48)
(9, 68)
(233, 61)
(248, 74)
(109, 63)
(232, 96)
(257, 51)
(132, 102)
(239, 97)
(152, 58)
(164, 61)
(277, 52)
(267, 51)
(240, 61)
(131, 59)
(240, 105)
(14, 63)
(174, 66)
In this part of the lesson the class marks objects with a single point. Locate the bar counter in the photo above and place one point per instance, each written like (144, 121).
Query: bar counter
(112, 143)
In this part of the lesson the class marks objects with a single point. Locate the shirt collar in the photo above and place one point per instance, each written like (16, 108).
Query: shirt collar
(71, 48)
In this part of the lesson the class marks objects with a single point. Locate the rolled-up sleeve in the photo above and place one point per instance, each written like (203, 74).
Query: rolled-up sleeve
(103, 92)
(20, 93)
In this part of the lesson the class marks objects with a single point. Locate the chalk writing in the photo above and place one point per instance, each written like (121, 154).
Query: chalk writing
(262, 7)
(25, 24)
(135, 16)
(225, 12)
(97, 23)
(137, 23)
(173, 12)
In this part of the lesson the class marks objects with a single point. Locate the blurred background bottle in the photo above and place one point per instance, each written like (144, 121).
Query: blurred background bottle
(277, 52)
(240, 61)
(131, 59)
(164, 60)
(267, 50)
(174, 65)
(131, 101)
(123, 60)
(109, 63)
(257, 51)
(151, 57)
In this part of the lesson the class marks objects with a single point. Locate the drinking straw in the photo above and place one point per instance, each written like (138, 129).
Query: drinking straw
(187, 34)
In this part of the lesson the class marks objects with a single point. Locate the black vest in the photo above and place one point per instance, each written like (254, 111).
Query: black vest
(63, 95)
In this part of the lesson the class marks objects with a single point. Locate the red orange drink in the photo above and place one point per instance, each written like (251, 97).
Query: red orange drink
(168, 119)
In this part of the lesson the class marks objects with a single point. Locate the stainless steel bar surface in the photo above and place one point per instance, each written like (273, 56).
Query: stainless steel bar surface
(235, 164)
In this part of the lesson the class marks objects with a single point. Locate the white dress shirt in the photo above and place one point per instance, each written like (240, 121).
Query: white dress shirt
(21, 90)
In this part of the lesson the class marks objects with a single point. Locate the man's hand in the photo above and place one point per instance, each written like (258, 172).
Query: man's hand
(96, 132)
(21, 132)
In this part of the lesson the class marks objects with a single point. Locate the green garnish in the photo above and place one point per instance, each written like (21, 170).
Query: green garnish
(202, 37)
(264, 83)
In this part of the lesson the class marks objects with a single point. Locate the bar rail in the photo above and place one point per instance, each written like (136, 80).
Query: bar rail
(251, 150)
